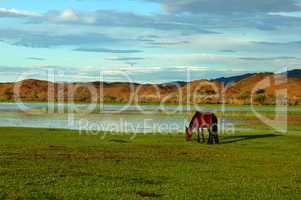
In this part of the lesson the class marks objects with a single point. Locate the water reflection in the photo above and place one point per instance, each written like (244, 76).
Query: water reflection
(154, 119)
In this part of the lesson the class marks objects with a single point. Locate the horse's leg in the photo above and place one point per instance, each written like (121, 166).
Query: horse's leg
(216, 138)
(203, 137)
(210, 137)
(215, 133)
(199, 138)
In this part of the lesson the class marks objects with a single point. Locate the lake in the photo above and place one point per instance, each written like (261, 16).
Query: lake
(113, 118)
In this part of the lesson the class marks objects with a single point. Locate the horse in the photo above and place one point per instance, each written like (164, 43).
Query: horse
(200, 121)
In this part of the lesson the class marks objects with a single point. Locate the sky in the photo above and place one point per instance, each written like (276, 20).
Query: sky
(149, 41)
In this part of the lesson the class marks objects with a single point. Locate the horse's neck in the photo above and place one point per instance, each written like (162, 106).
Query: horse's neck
(193, 123)
(197, 120)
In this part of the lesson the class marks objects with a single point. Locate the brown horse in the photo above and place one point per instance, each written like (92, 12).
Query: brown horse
(200, 121)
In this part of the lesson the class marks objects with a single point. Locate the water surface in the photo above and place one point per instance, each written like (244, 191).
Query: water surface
(109, 117)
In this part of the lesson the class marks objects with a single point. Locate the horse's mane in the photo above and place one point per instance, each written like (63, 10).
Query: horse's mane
(197, 113)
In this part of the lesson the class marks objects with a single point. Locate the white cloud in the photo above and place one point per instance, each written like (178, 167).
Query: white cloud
(71, 16)
(287, 14)
(67, 15)
(229, 6)
(193, 57)
(121, 70)
(190, 68)
(11, 12)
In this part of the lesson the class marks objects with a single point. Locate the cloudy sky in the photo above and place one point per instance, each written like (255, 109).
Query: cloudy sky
(147, 40)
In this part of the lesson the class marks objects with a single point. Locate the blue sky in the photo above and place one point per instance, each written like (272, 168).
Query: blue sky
(147, 40)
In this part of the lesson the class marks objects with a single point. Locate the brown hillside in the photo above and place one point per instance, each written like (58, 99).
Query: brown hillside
(265, 88)
(196, 92)
(202, 91)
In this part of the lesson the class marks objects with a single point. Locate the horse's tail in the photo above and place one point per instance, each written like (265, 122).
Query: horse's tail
(214, 127)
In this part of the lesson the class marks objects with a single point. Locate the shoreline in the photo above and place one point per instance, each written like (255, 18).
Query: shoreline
(150, 104)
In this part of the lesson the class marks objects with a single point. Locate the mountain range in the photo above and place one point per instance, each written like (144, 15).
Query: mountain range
(258, 88)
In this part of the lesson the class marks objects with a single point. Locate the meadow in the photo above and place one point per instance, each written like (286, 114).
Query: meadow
(63, 164)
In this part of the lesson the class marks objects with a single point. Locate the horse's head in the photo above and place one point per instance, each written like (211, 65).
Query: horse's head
(188, 134)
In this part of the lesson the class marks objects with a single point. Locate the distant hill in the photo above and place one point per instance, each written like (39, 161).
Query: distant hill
(233, 79)
(240, 92)
(175, 83)
(296, 73)
(195, 92)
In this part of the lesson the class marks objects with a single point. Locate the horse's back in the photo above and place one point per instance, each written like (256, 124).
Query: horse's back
(208, 117)
(204, 118)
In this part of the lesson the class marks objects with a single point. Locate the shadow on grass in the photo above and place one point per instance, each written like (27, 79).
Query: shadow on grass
(238, 138)
(149, 194)
(118, 141)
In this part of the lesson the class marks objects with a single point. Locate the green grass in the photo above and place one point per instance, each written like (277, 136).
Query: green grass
(62, 164)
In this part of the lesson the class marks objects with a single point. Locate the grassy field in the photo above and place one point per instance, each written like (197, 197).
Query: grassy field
(62, 164)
